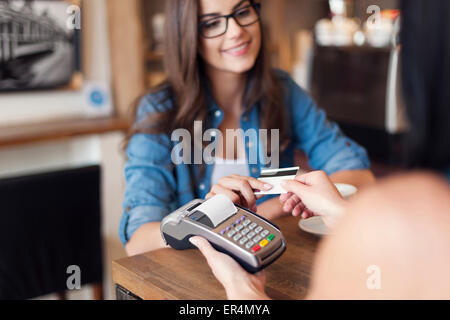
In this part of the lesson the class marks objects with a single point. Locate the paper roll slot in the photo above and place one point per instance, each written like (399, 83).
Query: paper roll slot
(218, 209)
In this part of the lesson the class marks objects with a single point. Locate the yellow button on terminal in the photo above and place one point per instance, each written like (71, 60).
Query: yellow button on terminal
(264, 243)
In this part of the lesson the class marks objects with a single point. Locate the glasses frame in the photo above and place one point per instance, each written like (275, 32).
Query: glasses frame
(256, 6)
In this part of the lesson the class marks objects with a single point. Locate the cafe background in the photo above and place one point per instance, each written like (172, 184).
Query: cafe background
(69, 77)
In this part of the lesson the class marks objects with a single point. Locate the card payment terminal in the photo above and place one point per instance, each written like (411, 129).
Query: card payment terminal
(247, 237)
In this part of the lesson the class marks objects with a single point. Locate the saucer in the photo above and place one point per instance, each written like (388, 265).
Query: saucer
(346, 190)
(315, 225)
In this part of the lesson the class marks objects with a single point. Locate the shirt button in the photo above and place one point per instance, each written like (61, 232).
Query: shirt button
(245, 119)
(218, 113)
(202, 187)
(254, 170)
(249, 145)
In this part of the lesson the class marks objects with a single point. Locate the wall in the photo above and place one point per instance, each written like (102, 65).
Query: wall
(97, 149)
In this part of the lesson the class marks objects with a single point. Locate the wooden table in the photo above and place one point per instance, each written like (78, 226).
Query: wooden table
(171, 274)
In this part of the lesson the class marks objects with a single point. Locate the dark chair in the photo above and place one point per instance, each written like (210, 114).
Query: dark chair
(49, 222)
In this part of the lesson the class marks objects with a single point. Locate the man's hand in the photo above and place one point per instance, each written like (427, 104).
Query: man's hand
(313, 194)
(238, 283)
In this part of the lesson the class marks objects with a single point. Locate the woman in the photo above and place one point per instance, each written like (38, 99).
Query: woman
(401, 226)
(218, 74)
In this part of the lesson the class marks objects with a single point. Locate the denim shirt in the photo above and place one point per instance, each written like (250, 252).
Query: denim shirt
(155, 186)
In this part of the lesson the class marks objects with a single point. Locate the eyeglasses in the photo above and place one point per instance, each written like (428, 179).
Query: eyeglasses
(218, 26)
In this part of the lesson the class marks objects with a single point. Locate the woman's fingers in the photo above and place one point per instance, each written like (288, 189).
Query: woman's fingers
(241, 190)
(246, 186)
(254, 183)
(212, 194)
(219, 189)
(242, 186)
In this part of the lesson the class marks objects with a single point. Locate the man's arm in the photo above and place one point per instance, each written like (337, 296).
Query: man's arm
(357, 178)
(273, 208)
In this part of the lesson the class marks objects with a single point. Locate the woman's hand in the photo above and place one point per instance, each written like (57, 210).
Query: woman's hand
(238, 283)
(240, 190)
(313, 194)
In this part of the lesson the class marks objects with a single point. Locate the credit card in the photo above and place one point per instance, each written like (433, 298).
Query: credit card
(274, 177)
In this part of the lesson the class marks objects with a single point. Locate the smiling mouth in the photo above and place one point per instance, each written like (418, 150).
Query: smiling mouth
(238, 50)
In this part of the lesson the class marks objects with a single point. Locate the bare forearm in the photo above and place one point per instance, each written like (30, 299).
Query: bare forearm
(271, 209)
(146, 238)
(358, 178)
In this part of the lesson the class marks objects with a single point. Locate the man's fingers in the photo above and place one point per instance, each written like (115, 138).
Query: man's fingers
(294, 186)
(307, 214)
(204, 246)
(285, 196)
(312, 177)
(292, 202)
(299, 208)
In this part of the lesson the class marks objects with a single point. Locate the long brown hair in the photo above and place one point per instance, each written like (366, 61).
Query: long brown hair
(186, 82)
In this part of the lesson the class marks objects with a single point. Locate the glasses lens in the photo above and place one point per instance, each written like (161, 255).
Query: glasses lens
(246, 15)
(214, 27)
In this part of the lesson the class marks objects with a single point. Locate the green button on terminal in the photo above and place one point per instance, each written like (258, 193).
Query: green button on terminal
(270, 238)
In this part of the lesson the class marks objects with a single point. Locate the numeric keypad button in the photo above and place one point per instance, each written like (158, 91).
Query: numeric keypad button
(251, 235)
(231, 233)
(264, 233)
(237, 237)
(243, 240)
(257, 238)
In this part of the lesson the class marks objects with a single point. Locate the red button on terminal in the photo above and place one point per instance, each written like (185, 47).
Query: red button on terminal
(256, 248)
